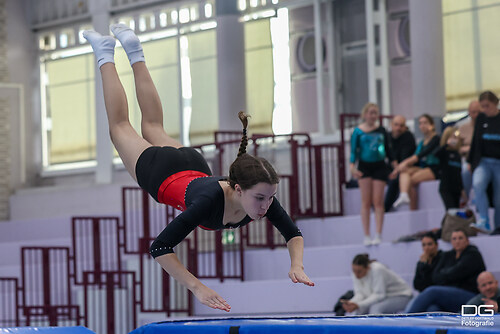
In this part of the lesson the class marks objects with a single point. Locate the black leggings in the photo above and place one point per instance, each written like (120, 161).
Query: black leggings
(451, 198)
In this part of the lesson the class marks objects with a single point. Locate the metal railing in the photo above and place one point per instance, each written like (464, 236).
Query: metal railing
(107, 277)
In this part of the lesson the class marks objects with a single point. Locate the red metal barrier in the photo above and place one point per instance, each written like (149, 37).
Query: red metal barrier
(110, 301)
(311, 178)
(9, 302)
(160, 292)
(96, 245)
(47, 297)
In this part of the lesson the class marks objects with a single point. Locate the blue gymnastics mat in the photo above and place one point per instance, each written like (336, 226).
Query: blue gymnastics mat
(46, 330)
(430, 323)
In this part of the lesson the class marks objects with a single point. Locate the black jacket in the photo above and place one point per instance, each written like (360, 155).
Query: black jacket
(462, 272)
(485, 140)
(402, 147)
(423, 273)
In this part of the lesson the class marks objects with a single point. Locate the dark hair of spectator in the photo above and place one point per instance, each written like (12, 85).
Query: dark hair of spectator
(362, 260)
(428, 118)
(430, 235)
(459, 229)
(490, 96)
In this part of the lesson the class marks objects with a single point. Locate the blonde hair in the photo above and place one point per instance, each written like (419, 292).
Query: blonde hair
(447, 133)
(367, 107)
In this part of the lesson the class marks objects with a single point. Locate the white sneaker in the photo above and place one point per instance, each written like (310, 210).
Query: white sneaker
(482, 226)
(367, 241)
(402, 199)
(376, 240)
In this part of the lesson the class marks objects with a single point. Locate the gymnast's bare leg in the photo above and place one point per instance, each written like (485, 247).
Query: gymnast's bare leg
(147, 95)
(129, 144)
(126, 140)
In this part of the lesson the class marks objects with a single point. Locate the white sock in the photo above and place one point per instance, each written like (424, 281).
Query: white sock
(129, 41)
(103, 46)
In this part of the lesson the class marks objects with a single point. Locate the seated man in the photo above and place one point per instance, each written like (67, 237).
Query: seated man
(403, 146)
(454, 278)
(489, 294)
(427, 263)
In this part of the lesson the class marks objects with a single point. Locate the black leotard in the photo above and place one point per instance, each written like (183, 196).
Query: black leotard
(204, 200)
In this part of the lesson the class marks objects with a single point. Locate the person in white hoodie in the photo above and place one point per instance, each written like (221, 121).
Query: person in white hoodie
(377, 289)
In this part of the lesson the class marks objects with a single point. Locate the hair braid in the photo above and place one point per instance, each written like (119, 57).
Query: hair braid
(244, 139)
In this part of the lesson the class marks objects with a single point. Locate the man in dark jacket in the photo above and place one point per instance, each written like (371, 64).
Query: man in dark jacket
(427, 263)
(402, 142)
(454, 278)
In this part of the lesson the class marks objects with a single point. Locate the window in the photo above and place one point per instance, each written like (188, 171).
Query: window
(471, 50)
(69, 113)
(259, 74)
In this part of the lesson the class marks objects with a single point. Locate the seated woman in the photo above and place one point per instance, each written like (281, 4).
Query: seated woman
(420, 167)
(453, 278)
(377, 289)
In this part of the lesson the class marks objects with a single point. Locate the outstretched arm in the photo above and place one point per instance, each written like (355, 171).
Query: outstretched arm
(171, 264)
(296, 249)
(162, 251)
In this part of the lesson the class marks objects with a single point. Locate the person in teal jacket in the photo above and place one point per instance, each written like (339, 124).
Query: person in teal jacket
(370, 150)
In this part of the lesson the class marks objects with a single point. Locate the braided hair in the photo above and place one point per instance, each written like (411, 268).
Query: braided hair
(244, 139)
(248, 170)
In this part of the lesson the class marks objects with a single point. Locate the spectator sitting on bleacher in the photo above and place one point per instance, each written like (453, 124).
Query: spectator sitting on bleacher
(427, 262)
(489, 294)
(450, 163)
(422, 166)
(454, 278)
(377, 289)
(403, 146)
(484, 157)
(466, 130)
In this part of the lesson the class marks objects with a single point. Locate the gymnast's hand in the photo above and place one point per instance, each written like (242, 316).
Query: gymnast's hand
(211, 298)
(297, 275)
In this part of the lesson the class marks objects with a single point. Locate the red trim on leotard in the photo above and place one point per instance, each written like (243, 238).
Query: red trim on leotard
(173, 189)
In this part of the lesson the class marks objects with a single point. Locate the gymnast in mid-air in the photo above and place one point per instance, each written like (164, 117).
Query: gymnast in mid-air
(180, 177)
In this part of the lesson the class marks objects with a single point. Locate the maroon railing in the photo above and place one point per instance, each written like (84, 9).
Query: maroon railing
(9, 302)
(93, 270)
(47, 295)
(160, 292)
(110, 301)
(96, 246)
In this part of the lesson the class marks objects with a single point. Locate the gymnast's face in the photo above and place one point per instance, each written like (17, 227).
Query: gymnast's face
(256, 200)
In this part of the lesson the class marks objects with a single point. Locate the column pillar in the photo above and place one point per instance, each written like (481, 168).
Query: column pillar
(427, 61)
(104, 149)
(231, 86)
